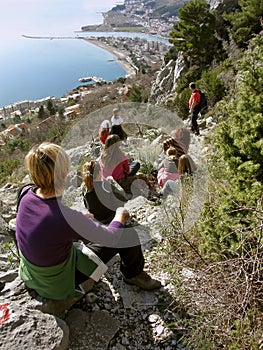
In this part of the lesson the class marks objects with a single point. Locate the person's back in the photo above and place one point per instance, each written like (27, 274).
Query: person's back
(101, 197)
(113, 161)
(116, 125)
(104, 131)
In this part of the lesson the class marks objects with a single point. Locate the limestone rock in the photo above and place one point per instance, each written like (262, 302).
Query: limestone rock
(29, 329)
(91, 331)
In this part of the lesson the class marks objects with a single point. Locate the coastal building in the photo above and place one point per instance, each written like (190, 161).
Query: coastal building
(71, 111)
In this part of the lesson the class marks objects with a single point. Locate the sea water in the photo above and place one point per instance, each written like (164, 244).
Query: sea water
(32, 69)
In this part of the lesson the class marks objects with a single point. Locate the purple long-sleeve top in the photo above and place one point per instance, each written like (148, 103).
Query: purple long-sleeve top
(46, 229)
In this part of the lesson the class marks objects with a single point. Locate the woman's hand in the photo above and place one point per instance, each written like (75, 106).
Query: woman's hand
(110, 178)
(89, 215)
(122, 215)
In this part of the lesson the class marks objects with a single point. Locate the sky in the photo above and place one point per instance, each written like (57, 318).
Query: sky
(48, 17)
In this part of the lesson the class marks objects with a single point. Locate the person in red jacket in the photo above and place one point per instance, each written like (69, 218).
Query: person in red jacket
(104, 131)
(194, 107)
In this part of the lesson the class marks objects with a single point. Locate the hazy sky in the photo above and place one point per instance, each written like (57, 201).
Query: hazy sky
(41, 17)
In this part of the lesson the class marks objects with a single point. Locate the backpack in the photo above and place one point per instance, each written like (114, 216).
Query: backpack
(203, 105)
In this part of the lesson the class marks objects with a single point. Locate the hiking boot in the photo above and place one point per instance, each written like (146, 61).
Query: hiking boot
(143, 281)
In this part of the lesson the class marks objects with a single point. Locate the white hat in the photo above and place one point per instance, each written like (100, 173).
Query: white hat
(105, 124)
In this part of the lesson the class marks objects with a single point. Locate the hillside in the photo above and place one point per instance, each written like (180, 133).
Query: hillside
(135, 15)
(209, 260)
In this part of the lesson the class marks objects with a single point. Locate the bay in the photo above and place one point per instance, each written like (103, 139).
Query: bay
(34, 69)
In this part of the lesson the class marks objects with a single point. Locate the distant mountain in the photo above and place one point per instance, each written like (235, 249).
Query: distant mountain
(158, 8)
(135, 13)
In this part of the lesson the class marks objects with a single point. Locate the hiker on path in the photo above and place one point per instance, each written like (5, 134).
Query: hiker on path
(50, 263)
(194, 107)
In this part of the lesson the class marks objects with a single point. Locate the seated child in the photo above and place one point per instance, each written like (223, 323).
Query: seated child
(168, 168)
(104, 130)
(101, 197)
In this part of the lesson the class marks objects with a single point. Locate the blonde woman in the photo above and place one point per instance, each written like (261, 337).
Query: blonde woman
(101, 197)
(45, 231)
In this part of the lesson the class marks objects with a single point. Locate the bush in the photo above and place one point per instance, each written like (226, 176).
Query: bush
(213, 86)
(6, 169)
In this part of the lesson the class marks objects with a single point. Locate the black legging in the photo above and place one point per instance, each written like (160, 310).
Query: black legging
(194, 117)
(132, 260)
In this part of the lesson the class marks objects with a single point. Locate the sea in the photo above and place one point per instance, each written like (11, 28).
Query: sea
(38, 68)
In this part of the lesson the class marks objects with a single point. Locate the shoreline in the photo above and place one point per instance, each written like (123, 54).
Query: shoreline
(121, 56)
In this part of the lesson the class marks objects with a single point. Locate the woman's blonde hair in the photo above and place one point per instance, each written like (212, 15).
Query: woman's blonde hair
(88, 173)
(48, 165)
(112, 155)
(186, 165)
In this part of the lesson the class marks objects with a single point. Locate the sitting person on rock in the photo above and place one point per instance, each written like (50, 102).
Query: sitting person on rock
(168, 168)
(185, 167)
(116, 125)
(180, 140)
(114, 163)
(52, 262)
(104, 131)
(101, 197)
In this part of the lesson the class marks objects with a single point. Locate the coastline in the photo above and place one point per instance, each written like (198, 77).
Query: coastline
(121, 56)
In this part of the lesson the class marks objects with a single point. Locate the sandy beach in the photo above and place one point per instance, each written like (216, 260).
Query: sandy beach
(121, 56)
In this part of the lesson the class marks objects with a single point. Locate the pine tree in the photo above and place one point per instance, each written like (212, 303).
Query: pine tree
(194, 34)
(247, 21)
(236, 166)
(41, 112)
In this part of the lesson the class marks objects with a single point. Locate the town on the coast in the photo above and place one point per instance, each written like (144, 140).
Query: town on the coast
(135, 54)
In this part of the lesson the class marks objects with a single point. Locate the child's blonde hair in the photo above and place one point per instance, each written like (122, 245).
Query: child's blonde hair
(172, 153)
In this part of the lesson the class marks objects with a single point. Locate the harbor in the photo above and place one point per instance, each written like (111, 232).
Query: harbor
(92, 78)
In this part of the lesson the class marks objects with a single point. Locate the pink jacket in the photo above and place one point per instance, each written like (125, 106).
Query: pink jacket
(117, 172)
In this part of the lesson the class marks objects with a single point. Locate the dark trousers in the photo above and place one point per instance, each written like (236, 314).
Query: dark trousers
(194, 117)
(134, 167)
(132, 260)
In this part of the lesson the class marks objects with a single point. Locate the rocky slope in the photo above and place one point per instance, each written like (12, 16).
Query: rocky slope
(112, 315)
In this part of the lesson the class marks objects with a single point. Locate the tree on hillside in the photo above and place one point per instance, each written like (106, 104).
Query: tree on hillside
(51, 108)
(195, 33)
(247, 21)
(41, 112)
(236, 166)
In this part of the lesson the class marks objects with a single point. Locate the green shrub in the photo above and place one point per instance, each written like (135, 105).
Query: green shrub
(213, 86)
(19, 143)
(6, 169)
